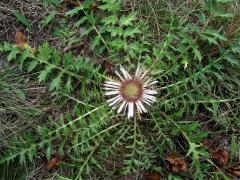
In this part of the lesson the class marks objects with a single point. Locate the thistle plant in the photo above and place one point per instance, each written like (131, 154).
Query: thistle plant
(191, 78)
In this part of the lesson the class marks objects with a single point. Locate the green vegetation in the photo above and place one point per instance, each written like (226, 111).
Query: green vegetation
(52, 104)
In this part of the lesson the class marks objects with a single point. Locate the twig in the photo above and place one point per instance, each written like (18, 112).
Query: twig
(76, 46)
(72, 2)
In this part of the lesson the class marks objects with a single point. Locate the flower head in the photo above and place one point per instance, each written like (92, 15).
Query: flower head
(131, 92)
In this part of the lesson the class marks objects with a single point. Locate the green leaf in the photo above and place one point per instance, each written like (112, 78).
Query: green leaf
(12, 55)
(33, 64)
(197, 53)
(95, 42)
(115, 31)
(45, 51)
(110, 20)
(69, 84)
(234, 148)
(19, 93)
(31, 154)
(22, 158)
(87, 31)
(110, 6)
(232, 59)
(33, 111)
(61, 147)
(55, 84)
(215, 33)
(128, 20)
(48, 19)
(117, 44)
(236, 49)
(218, 13)
(49, 152)
(21, 18)
(47, 3)
(81, 21)
(56, 57)
(7, 46)
(74, 11)
(43, 75)
(130, 31)
(21, 60)
(67, 59)
(211, 40)
(223, 1)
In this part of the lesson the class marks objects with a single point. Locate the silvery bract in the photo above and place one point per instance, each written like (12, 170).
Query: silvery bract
(131, 92)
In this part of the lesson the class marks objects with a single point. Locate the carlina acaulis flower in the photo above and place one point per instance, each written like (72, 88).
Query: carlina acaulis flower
(131, 93)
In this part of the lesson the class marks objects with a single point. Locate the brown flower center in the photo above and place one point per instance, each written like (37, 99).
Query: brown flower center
(131, 90)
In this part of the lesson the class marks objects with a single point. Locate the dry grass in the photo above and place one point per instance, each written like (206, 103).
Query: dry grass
(150, 11)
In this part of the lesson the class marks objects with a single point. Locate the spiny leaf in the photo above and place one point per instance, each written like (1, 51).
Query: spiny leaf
(218, 13)
(69, 84)
(224, 1)
(95, 42)
(19, 93)
(21, 18)
(74, 11)
(81, 21)
(110, 6)
(197, 53)
(43, 74)
(110, 20)
(115, 31)
(22, 158)
(45, 51)
(49, 152)
(33, 64)
(231, 58)
(55, 84)
(130, 31)
(128, 20)
(48, 19)
(12, 55)
(215, 33)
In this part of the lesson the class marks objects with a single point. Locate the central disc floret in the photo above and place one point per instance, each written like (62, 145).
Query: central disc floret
(131, 90)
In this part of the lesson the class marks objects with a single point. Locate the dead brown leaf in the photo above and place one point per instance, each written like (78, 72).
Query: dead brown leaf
(219, 155)
(152, 176)
(235, 170)
(21, 40)
(231, 29)
(206, 143)
(53, 163)
(108, 66)
(178, 163)
(94, 6)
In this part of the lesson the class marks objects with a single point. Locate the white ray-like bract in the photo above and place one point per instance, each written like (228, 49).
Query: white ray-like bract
(131, 93)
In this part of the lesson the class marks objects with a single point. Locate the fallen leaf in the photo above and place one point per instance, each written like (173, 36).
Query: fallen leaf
(21, 40)
(53, 163)
(73, 47)
(206, 143)
(235, 170)
(108, 66)
(152, 176)
(231, 29)
(219, 155)
(94, 6)
(178, 163)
